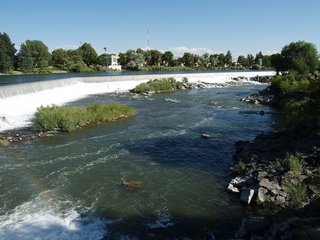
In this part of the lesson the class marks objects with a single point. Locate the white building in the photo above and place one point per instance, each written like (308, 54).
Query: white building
(112, 62)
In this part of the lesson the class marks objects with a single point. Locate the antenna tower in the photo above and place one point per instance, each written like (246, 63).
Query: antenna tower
(148, 39)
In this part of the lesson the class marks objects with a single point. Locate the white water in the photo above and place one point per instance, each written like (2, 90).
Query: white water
(38, 220)
(19, 102)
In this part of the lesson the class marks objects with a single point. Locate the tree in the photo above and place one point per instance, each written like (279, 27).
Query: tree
(258, 59)
(221, 59)
(88, 53)
(278, 62)
(154, 58)
(25, 60)
(228, 58)
(250, 58)
(102, 59)
(167, 58)
(7, 53)
(243, 61)
(39, 53)
(300, 56)
(59, 58)
(132, 60)
(188, 59)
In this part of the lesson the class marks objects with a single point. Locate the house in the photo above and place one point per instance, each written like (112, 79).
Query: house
(112, 62)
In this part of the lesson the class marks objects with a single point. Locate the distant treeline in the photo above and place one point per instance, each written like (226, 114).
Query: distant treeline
(34, 57)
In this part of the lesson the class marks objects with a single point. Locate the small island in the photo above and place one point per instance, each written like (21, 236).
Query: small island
(69, 118)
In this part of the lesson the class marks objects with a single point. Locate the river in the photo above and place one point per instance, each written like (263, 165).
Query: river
(69, 186)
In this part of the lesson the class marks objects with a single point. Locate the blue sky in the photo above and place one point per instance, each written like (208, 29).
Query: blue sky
(241, 26)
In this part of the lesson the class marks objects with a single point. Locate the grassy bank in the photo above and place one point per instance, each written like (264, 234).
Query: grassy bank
(68, 118)
(159, 85)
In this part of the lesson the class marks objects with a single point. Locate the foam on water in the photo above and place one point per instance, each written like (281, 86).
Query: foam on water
(17, 111)
(19, 102)
(36, 220)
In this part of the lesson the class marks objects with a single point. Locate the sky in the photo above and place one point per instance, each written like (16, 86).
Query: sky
(196, 26)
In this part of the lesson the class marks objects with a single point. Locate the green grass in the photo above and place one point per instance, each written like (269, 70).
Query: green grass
(68, 118)
(158, 85)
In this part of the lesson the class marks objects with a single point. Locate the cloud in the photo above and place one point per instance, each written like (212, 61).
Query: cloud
(180, 50)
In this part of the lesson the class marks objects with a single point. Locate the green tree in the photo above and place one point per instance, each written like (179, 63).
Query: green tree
(39, 53)
(155, 58)
(213, 59)
(75, 61)
(228, 58)
(167, 58)
(132, 60)
(221, 59)
(258, 59)
(7, 53)
(188, 59)
(102, 59)
(25, 59)
(60, 58)
(243, 61)
(88, 54)
(300, 56)
(250, 58)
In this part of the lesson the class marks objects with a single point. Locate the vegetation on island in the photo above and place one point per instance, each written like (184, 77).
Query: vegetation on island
(34, 57)
(70, 118)
(159, 85)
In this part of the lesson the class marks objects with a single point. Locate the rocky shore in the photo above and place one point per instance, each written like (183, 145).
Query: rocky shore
(278, 175)
(24, 135)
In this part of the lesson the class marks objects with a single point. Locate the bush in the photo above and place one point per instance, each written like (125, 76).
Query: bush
(297, 193)
(68, 118)
(291, 84)
(162, 85)
(295, 165)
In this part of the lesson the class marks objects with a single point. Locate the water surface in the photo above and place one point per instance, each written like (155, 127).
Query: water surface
(69, 187)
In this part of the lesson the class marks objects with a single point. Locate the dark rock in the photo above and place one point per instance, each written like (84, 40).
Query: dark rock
(257, 225)
(246, 195)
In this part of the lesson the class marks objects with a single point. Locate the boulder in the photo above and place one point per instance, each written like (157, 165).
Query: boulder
(238, 182)
(246, 195)
(232, 189)
(257, 225)
(272, 186)
(261, 175)
(262, 192)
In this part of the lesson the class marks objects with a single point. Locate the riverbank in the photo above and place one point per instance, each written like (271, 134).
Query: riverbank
(278, 175)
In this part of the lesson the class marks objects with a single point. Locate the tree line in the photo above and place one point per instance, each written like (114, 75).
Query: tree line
(34, 57)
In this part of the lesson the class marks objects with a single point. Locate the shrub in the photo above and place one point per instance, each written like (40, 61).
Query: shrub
(158, 85)
(297, 193)
(291, 84)
(295, 165)
(68, 118)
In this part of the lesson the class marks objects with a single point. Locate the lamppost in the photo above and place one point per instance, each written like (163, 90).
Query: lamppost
(105, 50)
